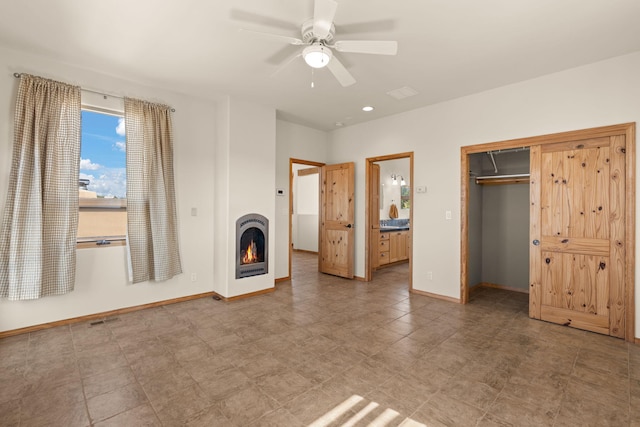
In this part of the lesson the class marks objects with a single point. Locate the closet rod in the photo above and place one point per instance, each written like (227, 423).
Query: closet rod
(18, 75)
(516, 175)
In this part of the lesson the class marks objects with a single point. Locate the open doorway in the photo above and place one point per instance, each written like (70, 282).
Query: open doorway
(304, 188)
(389, 213)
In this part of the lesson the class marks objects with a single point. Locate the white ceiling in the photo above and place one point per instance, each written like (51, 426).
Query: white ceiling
(447, 48)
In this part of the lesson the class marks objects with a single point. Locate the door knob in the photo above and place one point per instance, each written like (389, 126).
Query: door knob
(349, 225)
(536, 242)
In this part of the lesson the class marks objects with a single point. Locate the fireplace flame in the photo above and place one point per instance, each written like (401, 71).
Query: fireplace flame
(251, 254)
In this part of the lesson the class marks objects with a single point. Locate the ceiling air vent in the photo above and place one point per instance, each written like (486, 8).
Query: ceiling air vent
(402, 93)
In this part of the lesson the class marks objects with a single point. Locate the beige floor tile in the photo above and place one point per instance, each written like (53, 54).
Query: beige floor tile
(183, 406)
(10, 411)
(316, 369)
(13, 351)
(71, 415)
(210, 416)
(521, 413)
(283, 386)
(278, 418)
(583, 411)
(116, 401)
(141, 416)
(314, 404)
(442, 410)
(474, 393)
(18, 384)
(490, 420)
(247, 405)
(100, 362)
(167, 383)
(225, 383)
(108, 381)
(52, 399)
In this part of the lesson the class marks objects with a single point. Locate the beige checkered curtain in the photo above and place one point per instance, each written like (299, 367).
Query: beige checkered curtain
(38, 236)
(151, 206)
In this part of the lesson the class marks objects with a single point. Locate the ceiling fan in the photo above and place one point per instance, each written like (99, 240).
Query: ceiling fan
(318, 37)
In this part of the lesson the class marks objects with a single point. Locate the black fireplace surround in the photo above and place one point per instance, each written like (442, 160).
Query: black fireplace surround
(252, 243)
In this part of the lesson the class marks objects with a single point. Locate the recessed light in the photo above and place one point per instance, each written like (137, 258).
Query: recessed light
(367, 108)
(339, 124)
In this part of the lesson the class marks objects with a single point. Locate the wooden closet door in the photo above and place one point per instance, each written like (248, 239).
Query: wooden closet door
(577, 258)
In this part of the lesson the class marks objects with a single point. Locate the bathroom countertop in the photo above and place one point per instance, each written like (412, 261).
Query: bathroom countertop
(388, 228)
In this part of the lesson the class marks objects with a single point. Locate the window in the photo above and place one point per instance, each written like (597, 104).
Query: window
(102, 179)
(405, 197)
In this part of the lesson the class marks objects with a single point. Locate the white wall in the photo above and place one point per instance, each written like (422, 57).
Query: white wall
(297, 142)
(306, 208)
(599, 94)
(101, 282)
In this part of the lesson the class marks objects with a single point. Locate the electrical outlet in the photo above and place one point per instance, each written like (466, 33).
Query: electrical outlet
(447, 215)
(194, 277)
(430, 275)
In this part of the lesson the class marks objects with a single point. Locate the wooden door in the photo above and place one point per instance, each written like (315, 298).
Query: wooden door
(577, 257)
(337, 220)
(374, 219)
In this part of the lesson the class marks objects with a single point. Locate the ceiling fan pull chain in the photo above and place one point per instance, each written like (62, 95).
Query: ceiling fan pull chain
(312, 77)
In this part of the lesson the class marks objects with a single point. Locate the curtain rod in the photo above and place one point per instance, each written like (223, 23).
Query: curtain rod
(18, 75)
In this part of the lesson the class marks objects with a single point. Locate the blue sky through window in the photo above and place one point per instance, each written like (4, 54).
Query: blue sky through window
(103, 154)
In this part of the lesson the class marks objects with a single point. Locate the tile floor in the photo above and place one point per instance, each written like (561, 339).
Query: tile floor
(322, 351)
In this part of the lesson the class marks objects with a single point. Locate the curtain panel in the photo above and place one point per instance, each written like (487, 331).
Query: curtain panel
(40, 221)
(152, 234)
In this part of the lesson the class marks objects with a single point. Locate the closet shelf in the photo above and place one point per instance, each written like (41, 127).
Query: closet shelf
(521, 178)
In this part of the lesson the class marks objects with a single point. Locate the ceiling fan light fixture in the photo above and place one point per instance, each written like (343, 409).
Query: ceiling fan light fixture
(317, 55)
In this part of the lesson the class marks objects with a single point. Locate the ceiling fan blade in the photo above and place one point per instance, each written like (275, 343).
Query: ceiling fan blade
(341, 74)
(376, 47)
(323, 13)
(291, 40)
(254, 18)
(286, 63)
(366, 27)
(280, 56)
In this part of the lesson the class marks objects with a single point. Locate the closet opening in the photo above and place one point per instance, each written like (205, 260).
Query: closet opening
(498, 218)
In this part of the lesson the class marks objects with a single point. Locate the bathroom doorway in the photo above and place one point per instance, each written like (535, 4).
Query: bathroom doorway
(389, 214)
